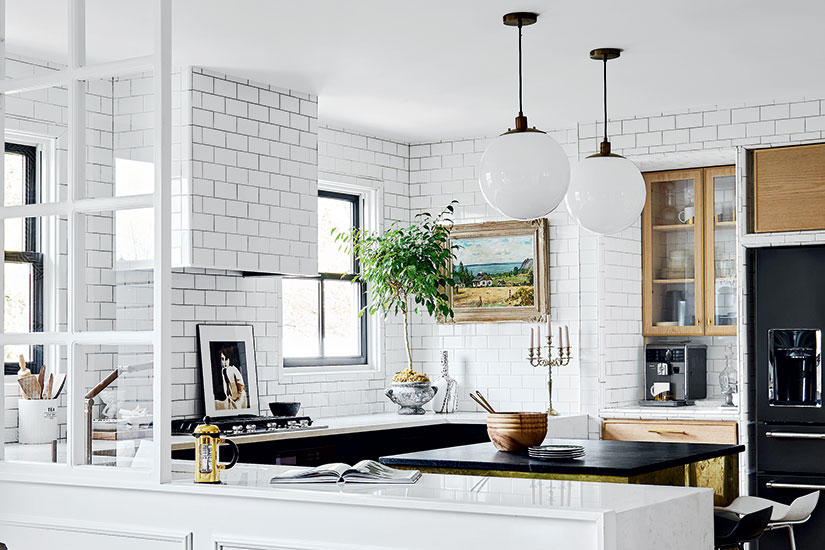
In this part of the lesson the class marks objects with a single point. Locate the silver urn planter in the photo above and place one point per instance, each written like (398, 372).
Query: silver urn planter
(411, 396)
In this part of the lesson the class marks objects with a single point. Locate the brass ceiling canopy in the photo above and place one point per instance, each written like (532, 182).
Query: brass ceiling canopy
(605, 54)
(520, 19)
(523, 18)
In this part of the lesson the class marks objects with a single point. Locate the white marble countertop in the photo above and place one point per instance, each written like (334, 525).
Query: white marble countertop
(530, 497)
(704, 409)
(444, 511)
(558, 426)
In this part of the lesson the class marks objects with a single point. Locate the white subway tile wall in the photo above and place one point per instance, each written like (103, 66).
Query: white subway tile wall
(225, 297)
(491, 357)
(251, 190)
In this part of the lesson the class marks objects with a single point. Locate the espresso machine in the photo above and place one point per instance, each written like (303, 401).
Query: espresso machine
(675, 375)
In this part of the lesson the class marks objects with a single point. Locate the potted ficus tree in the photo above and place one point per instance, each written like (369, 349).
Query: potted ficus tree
(406, 269)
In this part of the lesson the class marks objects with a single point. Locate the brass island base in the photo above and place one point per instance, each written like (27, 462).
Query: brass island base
(720, 474)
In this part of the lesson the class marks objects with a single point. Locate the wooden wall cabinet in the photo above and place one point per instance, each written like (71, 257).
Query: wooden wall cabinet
(789, 188)
(689, 253)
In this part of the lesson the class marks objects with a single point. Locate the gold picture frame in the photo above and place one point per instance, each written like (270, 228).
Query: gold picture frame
(491, 267)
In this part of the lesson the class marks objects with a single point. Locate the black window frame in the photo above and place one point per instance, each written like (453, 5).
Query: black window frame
(31, 255)
(338, 361)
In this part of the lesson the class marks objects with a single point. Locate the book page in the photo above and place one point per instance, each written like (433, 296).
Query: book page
(370, 470)
(331, 472)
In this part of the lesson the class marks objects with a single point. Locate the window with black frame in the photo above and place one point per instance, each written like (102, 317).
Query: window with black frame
(322, 325)
(23, 267)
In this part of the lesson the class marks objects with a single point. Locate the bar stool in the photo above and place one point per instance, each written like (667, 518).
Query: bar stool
(783, 517)
(732, 531)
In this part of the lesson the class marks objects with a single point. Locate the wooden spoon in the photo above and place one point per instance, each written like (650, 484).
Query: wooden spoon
(41, 380)
(47, 393)
(489, 407)
(480, 404)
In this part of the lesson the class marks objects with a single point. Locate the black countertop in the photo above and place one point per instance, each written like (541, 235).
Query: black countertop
(605, 458)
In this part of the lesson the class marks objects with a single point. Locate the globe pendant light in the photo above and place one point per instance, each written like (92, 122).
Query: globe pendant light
(524, 173)
(607, 193)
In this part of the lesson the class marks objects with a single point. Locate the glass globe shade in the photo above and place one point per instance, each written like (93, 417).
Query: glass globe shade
(524, 175)
(607, 194)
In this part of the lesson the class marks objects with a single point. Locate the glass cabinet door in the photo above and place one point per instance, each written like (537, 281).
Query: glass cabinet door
(673, 262)
(720, 250)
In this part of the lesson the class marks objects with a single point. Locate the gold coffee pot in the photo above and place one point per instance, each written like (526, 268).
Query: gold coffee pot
(207, 441)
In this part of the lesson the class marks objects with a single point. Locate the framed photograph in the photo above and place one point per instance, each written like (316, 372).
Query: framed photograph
(501, 271)
(230, 379)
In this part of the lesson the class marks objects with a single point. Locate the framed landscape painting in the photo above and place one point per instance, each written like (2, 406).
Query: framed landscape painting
(501, 271)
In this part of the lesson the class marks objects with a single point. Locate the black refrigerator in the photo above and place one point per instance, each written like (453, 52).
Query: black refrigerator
(786, 308)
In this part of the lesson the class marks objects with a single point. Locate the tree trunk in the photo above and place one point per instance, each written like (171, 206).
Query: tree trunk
(407, 339)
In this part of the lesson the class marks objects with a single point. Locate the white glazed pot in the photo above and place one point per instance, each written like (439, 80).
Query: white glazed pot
(37, 421)
(411, 396)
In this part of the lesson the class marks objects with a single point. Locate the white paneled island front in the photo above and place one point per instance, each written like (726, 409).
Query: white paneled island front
(438, 512)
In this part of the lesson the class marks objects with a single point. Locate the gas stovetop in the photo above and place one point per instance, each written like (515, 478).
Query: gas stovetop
(246, 424)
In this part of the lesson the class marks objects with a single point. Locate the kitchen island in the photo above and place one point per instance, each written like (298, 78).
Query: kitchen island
(632, 462)
(439, 511)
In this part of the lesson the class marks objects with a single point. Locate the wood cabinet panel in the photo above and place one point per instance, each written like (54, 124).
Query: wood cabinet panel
(670, 431)
(699, 299)
(672, 257)
(789, 188)
(720, 232)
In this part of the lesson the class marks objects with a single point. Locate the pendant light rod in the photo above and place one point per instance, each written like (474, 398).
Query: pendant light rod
(520, 108)
(604, 55)
(520, 19)
(605, 99)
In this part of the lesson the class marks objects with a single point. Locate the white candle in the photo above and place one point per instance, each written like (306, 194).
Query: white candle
(532, 345)
(567, 335)
(549, 334)
(538, 335)
(561, 342)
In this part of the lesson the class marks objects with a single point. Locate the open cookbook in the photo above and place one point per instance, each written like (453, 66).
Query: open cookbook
(366, 471)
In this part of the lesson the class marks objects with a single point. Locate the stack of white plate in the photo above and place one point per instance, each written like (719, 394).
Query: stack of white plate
(556, 452)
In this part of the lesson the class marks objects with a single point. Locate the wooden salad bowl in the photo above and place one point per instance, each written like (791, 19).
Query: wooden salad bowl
(515, 431)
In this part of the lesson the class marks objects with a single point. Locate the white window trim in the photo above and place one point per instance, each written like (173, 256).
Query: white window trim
(46, 179)
(372, 219)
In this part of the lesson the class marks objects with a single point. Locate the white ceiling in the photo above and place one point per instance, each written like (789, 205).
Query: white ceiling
(429, 69)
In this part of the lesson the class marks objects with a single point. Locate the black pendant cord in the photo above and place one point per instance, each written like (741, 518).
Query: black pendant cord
(520, 107)
(605, 98)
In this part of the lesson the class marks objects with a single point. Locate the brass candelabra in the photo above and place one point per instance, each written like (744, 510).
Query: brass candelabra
(562, 359)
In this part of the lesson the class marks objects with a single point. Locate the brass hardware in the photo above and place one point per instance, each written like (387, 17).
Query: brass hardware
(709, 321)
(523, 18)
(521, 126)
(666, 432)
(698, 321)
(605, 54)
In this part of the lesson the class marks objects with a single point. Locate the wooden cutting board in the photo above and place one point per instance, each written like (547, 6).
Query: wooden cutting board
(31, 387)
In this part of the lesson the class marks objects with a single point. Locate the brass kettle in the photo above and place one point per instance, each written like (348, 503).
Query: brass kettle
(207, 442)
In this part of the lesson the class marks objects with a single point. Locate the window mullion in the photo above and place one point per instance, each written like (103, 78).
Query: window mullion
(321, 351)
